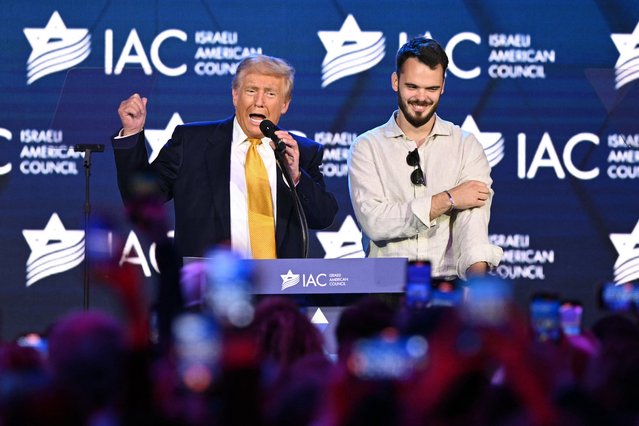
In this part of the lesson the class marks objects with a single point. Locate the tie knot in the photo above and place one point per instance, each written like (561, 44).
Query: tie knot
(255, 141)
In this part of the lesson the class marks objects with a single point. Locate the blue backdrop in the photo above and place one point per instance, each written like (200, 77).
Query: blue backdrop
(549, 88)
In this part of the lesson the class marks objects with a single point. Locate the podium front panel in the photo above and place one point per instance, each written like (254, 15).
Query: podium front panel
(326, 276)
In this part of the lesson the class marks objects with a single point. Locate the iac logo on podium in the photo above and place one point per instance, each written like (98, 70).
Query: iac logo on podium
(308, 280)
(290, 280)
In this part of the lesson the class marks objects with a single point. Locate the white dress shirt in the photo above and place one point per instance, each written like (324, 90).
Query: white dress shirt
(240, 240)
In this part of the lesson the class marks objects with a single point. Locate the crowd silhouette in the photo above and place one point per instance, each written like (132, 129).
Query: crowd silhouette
(204, 351)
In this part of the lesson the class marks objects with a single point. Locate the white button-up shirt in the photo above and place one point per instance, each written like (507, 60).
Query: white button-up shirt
(240, 239)
(395, 214)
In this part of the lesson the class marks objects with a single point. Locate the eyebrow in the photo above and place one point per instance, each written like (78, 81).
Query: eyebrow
(266, 88)
(435, 86)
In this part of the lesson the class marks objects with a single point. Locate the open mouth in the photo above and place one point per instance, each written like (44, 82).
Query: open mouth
(419, 106)
(257, 118)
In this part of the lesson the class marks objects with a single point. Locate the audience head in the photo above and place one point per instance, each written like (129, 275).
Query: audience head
(87, 351)
(364, 319)
(283, 333)
(615, 327)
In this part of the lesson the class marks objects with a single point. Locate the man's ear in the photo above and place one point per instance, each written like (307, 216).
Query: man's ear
(285, 106)
(395, 81)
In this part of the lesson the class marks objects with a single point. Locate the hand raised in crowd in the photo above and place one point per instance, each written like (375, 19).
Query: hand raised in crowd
(132, 112)
(470, 194)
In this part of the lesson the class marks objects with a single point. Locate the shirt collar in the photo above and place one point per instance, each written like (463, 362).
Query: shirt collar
(392, 129)
(239, 136)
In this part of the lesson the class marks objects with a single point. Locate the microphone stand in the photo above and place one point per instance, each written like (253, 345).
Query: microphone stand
(298, 205)
(87, 149)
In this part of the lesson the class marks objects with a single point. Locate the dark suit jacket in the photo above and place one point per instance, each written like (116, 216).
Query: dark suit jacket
(194, 168)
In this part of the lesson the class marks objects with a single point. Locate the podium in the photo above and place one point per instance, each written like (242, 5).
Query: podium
(323, 287)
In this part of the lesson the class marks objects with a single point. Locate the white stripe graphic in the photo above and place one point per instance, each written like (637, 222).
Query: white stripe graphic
(58, 59)
(55, 262)
(353, 62)
(627, 271)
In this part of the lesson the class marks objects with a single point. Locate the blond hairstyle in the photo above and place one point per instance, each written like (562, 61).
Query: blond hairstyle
(266, 65)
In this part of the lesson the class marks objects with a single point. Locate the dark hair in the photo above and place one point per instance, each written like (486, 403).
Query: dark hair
(283, 333)
(426, 50)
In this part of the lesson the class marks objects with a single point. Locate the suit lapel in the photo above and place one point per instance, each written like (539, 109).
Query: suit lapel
(285, 212)
(218, 163)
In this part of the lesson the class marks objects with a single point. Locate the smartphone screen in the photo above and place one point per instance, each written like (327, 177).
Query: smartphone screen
(197, 347)
(418, 284)
(487, 302)
(384, 358)
(619, 297)
(445, 293)
(544, 317)
(570, 314)
(229, 292)
(35, 341)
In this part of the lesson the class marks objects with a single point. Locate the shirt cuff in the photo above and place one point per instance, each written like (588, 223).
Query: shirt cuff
(119, 135)
(488, 253)
(421, 209)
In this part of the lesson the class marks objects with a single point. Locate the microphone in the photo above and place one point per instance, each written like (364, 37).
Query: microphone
(89, 147)
(268, 129)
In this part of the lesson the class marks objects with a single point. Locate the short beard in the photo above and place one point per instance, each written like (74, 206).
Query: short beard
(415, 121)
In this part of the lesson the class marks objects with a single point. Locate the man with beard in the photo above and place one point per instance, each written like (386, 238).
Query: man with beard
(420, 186)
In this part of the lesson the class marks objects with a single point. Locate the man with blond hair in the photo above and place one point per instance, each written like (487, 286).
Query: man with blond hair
(202, 168)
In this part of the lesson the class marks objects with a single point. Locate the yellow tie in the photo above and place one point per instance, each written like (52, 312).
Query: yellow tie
(260, 205)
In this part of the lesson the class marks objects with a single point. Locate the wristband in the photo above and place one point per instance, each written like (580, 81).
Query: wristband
(452, 202)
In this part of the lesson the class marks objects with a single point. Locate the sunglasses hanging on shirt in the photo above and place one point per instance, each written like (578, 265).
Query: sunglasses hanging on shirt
(412, 159)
